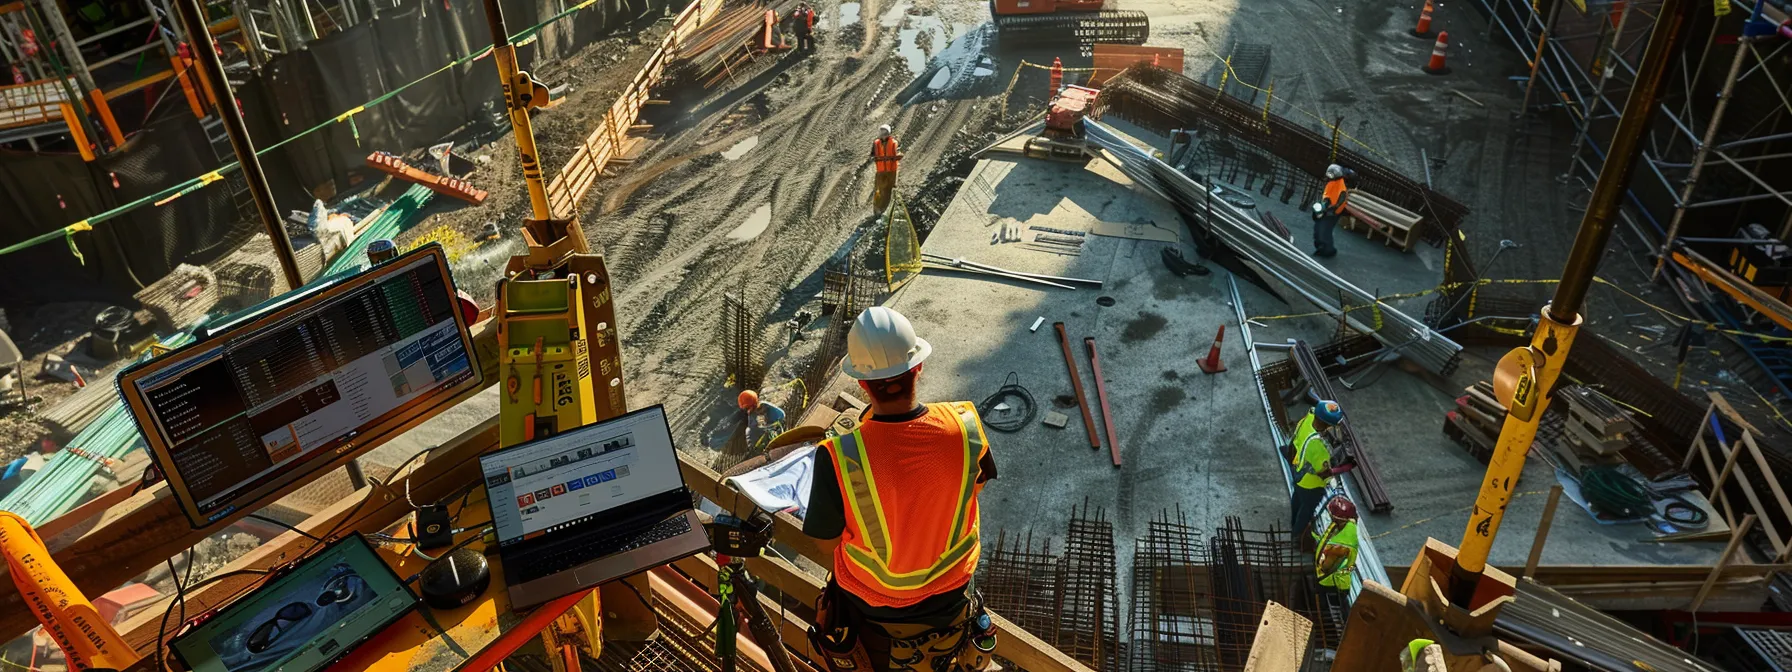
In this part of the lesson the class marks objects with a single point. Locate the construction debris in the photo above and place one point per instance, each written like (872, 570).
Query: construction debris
(1274, 256)
(1344, 441)
(389, 164)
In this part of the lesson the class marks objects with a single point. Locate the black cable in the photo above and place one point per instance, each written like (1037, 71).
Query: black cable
(1698, 520)
(266, 519)
(1012, 419)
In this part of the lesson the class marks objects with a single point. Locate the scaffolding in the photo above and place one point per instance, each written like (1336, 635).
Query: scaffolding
(1716, 174)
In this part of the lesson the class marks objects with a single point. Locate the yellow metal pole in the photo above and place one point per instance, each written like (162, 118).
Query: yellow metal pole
(1526, 375)
(520, 94)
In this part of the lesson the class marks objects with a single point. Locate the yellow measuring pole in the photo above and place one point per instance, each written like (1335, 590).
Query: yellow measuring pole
(521, 92)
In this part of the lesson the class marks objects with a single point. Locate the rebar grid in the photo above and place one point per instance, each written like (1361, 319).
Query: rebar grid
(1171, 629)
(1020, 582)
(1088, 627)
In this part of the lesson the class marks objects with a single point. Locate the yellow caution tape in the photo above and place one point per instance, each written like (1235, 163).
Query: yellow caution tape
(86, 640)
(351, 112)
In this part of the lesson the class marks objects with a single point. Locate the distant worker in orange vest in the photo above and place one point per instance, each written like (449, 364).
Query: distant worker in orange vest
(805, 27)
(897, 500)
(887, 157)
(1327, 212)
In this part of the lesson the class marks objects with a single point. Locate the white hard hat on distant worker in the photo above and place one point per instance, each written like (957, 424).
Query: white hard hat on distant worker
(884, 130)
(882, 344)
(1334, 171)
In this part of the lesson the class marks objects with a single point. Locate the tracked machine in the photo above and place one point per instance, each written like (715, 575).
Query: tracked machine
(1084, 22)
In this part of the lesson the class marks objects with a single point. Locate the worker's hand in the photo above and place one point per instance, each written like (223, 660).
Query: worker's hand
(1287, 451)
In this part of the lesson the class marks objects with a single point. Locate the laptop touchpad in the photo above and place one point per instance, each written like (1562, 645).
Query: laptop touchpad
(593, 573)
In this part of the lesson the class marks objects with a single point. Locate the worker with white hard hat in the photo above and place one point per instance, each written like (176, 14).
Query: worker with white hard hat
(898, 499)
(887, 158)
(1327, 211)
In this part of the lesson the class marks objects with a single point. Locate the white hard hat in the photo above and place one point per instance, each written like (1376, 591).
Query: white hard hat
(884, 130)
(1334, 171)
(882, 344)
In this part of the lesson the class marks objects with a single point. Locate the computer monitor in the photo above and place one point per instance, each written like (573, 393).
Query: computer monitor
(602, 472)
(305, 619)
(277, 398)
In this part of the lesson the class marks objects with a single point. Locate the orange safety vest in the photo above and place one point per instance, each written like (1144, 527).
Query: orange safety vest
(809, 19)
(883, 151)
(907, 538)
(1334, 194)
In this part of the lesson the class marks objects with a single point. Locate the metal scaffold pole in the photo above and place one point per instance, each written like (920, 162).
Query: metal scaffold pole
(1701, 153)
(1525, 375)
(211, 68)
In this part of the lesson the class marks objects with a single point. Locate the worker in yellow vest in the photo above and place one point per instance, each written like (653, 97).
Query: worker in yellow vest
(1334, 557)
(897, 498)
(1422, 655)
(1311, 459)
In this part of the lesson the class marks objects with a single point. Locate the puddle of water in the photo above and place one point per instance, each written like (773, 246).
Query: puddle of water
(940, 79)
(924, 38)
(741, 148)
(849, 13)
(756, 224)
(909, 50)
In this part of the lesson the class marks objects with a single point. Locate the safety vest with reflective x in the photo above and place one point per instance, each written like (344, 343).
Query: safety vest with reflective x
(908, 538)
(1311, 455)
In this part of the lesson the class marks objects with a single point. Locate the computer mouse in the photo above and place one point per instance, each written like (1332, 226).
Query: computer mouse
(455, 579)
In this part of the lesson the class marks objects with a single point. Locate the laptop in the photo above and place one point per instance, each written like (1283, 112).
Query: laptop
(589, 505)
(303, 620)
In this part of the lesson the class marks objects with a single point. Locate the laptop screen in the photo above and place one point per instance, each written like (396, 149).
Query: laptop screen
(576, 476)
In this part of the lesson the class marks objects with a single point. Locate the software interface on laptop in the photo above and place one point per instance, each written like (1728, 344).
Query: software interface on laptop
(565, 480)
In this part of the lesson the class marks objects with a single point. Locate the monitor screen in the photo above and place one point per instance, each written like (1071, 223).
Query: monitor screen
(305, 619)
(570, 478)
(235, 417)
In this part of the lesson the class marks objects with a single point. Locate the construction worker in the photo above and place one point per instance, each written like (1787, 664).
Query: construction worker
(1327, 211)
(1335, 550)
(1422, 655)
(805, 27)
(900, 511)
(763, 416)
(886, 156)
(1311, 458)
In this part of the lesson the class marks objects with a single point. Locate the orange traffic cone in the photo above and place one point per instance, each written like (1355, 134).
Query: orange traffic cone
(1057, 78)
(1436, 66)
(1211, 364)
(1424, 27)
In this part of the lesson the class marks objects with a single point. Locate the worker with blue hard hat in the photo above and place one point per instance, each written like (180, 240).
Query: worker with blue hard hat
(1311, 458)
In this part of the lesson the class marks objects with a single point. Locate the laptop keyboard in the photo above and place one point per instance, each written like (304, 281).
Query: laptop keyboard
(580, 551)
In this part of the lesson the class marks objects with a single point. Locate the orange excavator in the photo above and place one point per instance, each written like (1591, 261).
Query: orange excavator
(1059, 21)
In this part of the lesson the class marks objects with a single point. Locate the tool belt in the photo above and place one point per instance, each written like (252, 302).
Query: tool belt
(962, 640)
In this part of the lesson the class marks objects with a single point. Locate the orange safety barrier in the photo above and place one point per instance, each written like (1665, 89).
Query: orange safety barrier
(1110, 59)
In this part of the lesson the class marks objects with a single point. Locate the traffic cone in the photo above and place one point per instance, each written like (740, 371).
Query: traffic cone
(1211, 364)
(1436, 66)
(1057, 78)
(1424, 27)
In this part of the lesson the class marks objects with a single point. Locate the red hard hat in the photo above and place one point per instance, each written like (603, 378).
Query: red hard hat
(748, 400)
(1341, 508)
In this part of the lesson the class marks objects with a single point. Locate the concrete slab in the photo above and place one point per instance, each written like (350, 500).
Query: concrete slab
(1187, 440)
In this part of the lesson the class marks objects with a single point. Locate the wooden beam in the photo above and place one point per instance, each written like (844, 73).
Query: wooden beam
(1549, 518)
(1698, 600)
(1748, 490)
(1773, 485)
(793, 630)
(1717, 484)
(1698, 437)
(1723, 406)
(698, 608)
(1012, 642)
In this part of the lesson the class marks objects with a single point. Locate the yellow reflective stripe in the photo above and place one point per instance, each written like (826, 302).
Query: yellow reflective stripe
(862, 494)
(973, 451)
(881, 573)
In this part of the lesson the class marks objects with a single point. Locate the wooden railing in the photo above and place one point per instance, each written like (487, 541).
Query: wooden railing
(32, 103)
(605, 143)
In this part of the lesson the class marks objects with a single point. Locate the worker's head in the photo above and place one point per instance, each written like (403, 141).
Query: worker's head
(1327, 413)
(1342, 509)
(883, 131)
(1334, 171)
(748, 400)
(884, 354)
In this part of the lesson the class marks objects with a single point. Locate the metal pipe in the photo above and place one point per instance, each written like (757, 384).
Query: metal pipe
(1101, 393)
(87, 127)
(1076, 385)
(1729, 201)
(211, 68)
(95, 38)
(1699, 156)
(52, 17)
(1605, 75)
(133, 51)
(1536, 60)
(518, 103)
(1751, 141)
(1771, 190)
(1537, 366)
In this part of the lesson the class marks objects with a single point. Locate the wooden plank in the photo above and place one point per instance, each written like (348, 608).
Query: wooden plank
(1012, 642)
(1549, 517)
(1723, 477)
(1754, 500)
(1722, 560)
(1697, 437)
(1723, 406)
(793, 630)
(1281, 641)
(1773, 484)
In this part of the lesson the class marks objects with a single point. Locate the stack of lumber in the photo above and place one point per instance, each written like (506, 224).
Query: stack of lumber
(183, 297)
(1377, 218)
(1476, 422)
